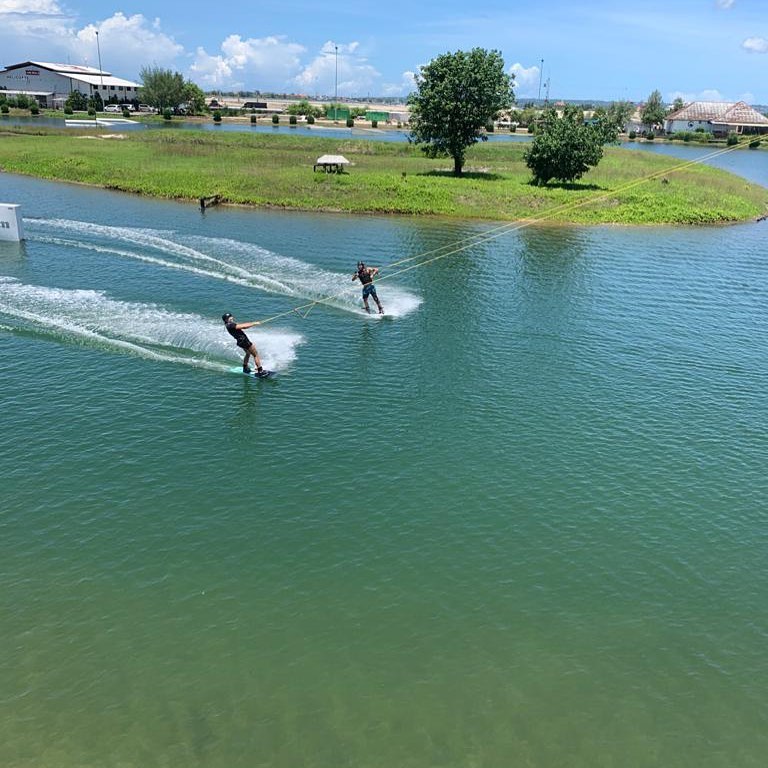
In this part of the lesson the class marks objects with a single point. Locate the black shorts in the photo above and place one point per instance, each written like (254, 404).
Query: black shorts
(245, 344)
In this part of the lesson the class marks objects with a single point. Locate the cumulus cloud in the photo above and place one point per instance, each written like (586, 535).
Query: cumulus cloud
(126, 41)
(406, 85)
(755, 45)
(267, 63)
(526, 80)
(30, 26)
(342, 63)
(709, 94)
(30, 7)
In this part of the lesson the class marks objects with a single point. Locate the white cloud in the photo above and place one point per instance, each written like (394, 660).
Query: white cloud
(30, 7)
(127, 43)
(709, 94)
(40, 29)
(341, 69)
(725, 4)
(526, 80)
(403, 88)
(267, 63)
(755, 45)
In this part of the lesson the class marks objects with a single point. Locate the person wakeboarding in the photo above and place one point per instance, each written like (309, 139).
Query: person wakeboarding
(235, 330)
(365, 275)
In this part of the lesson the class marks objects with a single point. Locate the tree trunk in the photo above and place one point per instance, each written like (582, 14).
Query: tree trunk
(458, 164)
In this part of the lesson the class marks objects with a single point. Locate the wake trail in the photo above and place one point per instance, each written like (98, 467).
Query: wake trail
(243, 263)
(146, 330)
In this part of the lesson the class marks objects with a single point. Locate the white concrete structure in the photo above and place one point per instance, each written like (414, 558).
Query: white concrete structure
(56, 81)
(11, 228)
(718, 118)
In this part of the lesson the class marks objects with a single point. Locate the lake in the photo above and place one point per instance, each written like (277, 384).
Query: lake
(519, 521)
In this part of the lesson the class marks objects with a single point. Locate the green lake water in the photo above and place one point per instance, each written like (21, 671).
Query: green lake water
(520, 522)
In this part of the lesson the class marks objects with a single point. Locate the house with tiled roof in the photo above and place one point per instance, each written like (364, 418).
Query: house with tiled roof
(717, 117)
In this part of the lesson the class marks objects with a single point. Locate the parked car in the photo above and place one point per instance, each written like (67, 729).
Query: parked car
(146, 108)
(128, 107)
(113, 108)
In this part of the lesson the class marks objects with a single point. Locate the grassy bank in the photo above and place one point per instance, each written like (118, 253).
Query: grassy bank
(276, 170)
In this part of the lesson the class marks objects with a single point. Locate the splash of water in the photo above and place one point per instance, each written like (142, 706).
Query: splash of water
(146, 330)
(240, 262)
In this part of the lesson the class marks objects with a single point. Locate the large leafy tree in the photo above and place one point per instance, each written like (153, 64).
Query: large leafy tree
(194, 98)
(653, 111)
(162, 88)
(457, 95)
(620, 112)
(565, 148)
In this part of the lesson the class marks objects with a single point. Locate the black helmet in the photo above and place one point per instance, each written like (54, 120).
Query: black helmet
(360, 265)
(226, 317)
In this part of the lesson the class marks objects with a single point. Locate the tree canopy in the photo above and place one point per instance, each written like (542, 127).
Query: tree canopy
(653, 111)
(165, 89)
(565, 148)
(457, 95)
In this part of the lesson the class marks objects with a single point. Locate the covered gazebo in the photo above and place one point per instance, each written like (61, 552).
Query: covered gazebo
(331, 163)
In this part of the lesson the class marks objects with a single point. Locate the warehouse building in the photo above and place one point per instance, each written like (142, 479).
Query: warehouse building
(51, 84)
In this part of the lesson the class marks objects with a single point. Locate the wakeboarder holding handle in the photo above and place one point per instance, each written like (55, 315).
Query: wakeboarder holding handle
(236, 330)
(365, 275)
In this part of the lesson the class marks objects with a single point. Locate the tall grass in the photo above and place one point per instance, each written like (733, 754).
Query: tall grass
(276, 170)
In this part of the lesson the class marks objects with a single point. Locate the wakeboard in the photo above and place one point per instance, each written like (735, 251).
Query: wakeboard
(265, 374)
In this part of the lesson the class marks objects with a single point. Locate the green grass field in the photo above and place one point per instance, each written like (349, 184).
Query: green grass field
(276, 170)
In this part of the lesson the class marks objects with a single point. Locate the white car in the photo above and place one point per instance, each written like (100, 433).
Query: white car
(113, 108)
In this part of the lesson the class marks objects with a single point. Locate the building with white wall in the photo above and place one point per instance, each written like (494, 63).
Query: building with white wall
(718, 118)
(51, 84)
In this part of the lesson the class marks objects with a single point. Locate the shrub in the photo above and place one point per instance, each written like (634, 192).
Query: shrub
(275, 119)
(217, 116)
(126, 113)
(350, 122)
(253, 119)
(754, 144)
(311, 119)
(513, 128)
(167, 113)
(91, 112)
(374, 123)
(34, 109)
(490, 128)
(292, 120)
(5, 109)
(650, 135)
(68, 110)
(732, 139)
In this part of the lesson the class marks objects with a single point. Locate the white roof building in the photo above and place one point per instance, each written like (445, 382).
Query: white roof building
(57, 81)
(717, 117)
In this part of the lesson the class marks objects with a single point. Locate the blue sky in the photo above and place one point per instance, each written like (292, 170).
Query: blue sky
(695, 49)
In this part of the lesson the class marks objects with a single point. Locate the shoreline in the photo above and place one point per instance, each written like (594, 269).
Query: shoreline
(271, 171)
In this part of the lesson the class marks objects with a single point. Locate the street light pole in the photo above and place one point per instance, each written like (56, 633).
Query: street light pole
(541, 73)
(336, 86)
(101, 72)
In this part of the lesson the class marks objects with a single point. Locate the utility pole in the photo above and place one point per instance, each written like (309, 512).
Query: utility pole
(541, 74)
(101, 72)
(336, 87)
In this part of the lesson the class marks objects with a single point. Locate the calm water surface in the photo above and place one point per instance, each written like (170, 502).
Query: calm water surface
(521, 521)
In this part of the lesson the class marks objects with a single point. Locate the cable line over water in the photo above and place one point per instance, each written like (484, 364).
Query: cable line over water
(428, 257)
